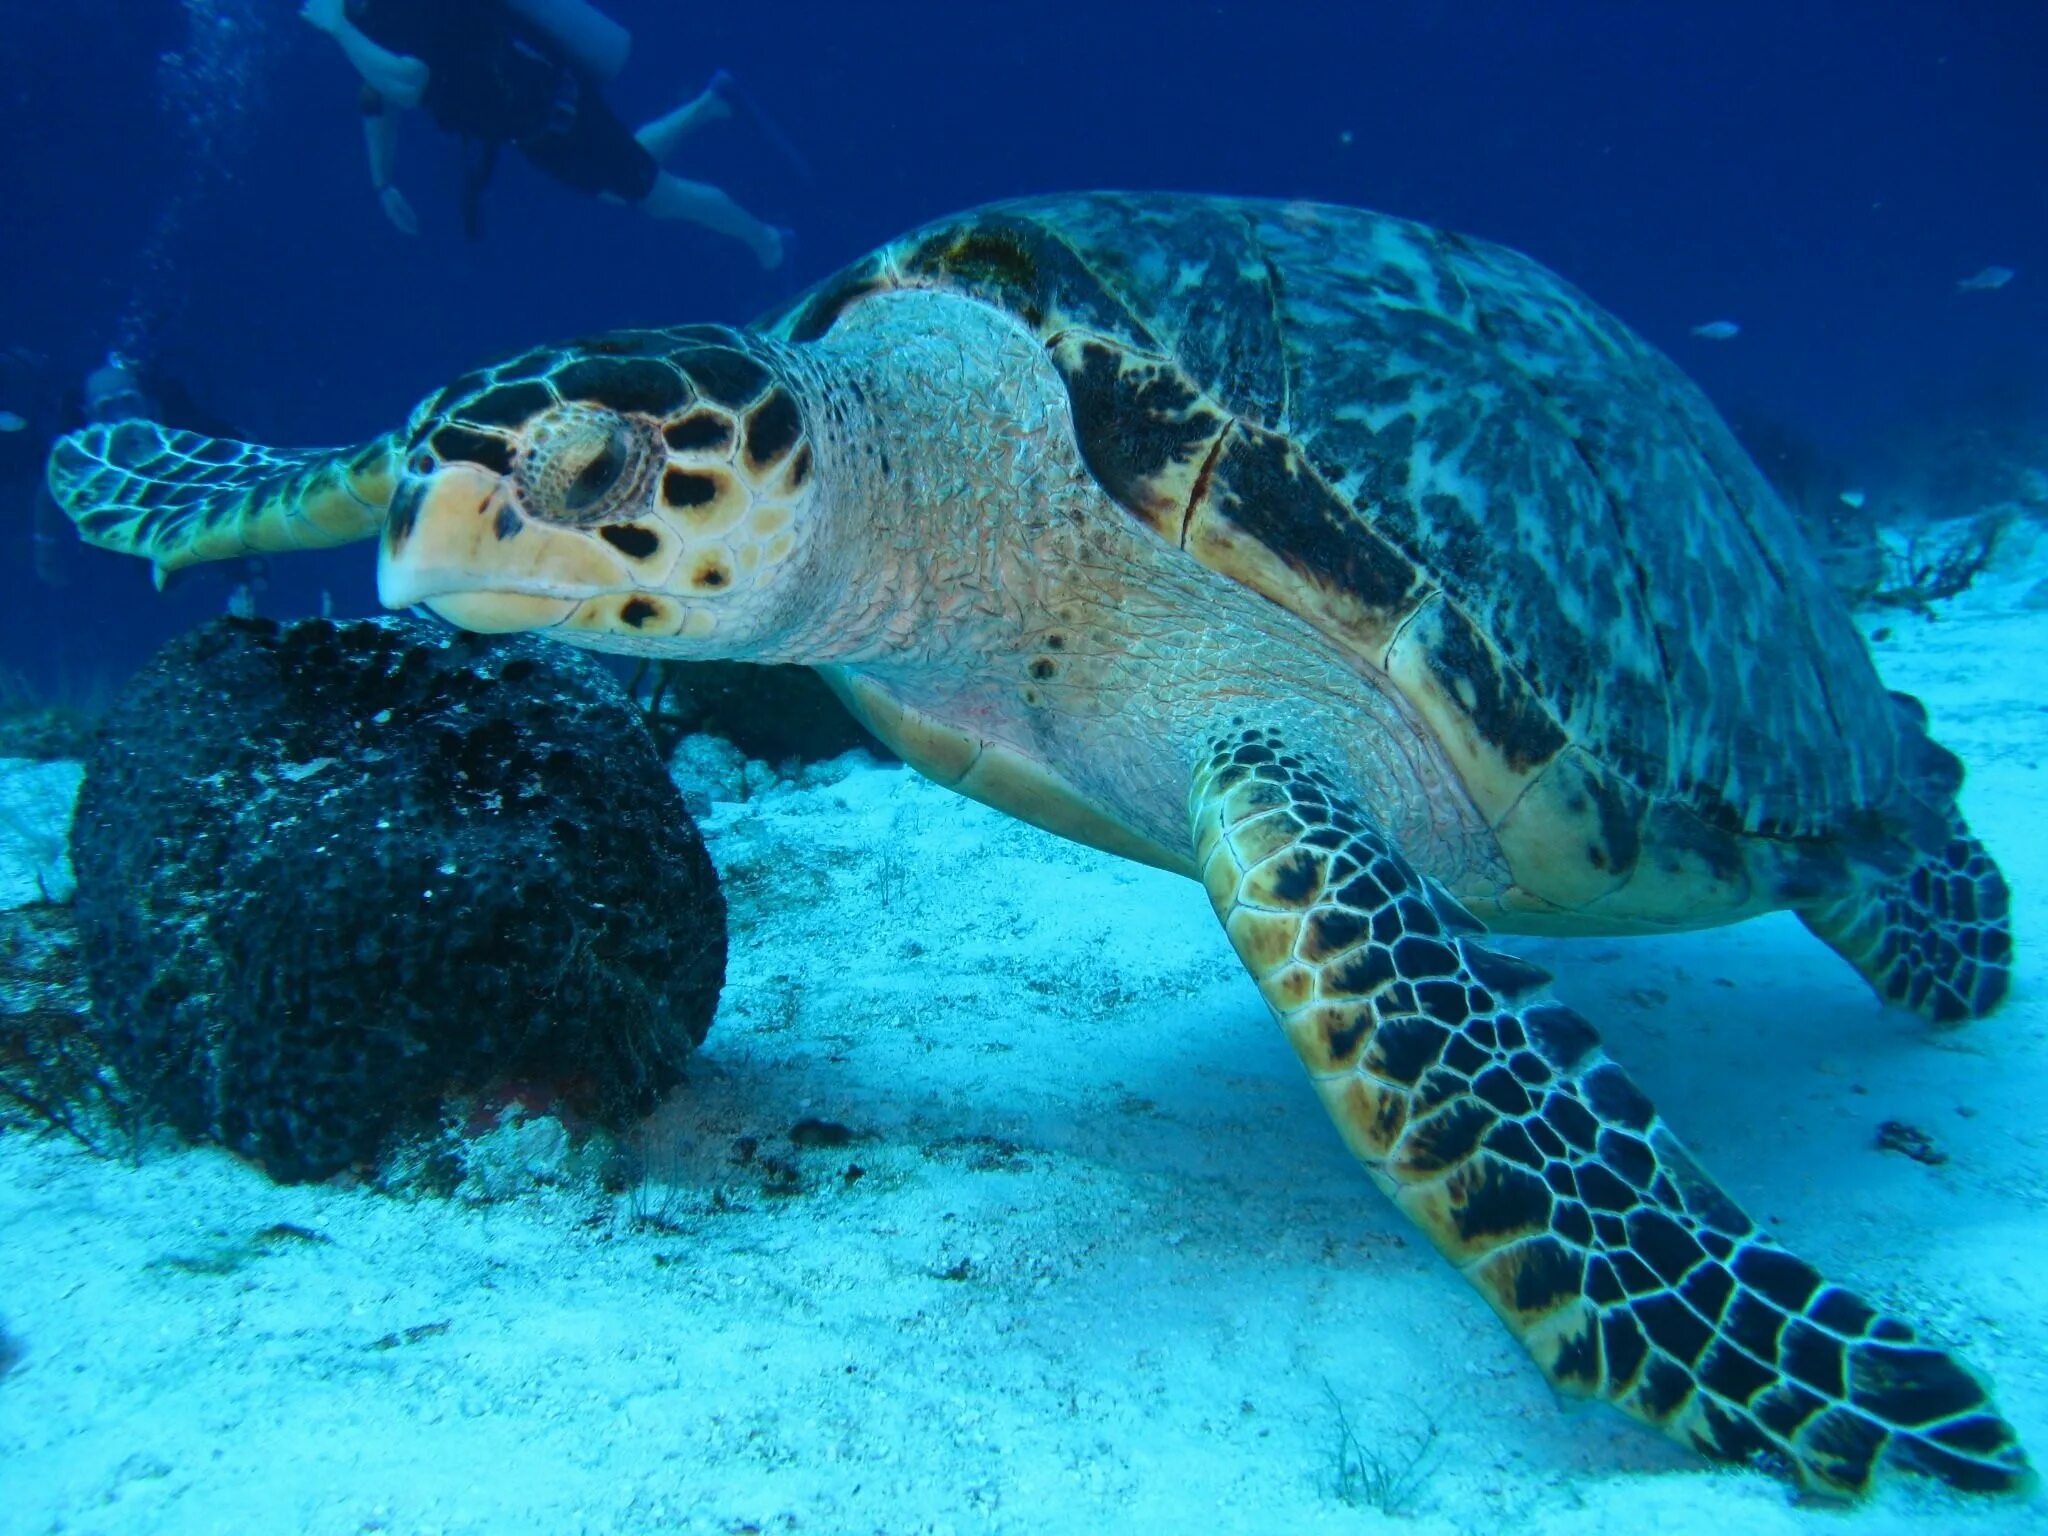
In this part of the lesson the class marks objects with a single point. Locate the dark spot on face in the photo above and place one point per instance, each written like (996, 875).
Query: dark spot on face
(698, 432)
(509, 405)
(686, 488)
(508, 522)
(1043, 667)
(404, 513)
(799, 467)
(712, 573)
(630, 539)
(772, 428)
(726, 378)
(637, 611)
(639, 384)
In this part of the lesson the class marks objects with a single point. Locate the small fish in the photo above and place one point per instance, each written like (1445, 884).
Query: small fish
(10, 422)
(1985, 281)
(1717, 330)
(1854, 497)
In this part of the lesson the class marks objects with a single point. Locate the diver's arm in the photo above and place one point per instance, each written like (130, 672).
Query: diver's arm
(380, 138)
(397, 77)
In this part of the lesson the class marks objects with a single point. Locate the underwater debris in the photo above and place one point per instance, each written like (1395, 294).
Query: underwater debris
(812, 1132)
(1389, 1479)
(1717, 330)
(53, 1074)
(1899, 1136)
(332, 875)
(1987, 281)
(1938, 562)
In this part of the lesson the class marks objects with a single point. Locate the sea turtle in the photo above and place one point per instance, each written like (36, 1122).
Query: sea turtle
(1371, 576)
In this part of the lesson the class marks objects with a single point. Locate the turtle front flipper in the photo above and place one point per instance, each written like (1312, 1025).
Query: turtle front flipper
(179, 498)
(1490, 1115)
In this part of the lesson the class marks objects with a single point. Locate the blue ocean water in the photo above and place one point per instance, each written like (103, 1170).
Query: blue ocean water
(187, 180)
(1835, 217)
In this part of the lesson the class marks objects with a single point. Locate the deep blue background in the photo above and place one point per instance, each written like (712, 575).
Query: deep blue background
(1822, 173)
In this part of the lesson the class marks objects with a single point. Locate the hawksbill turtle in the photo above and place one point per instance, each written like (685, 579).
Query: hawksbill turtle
(1371, 576)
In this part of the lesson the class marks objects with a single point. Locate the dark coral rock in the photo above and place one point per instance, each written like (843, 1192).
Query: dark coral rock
(332, 874)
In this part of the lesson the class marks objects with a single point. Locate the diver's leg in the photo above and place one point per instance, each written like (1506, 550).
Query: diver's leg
(662, 136)
(674, 198)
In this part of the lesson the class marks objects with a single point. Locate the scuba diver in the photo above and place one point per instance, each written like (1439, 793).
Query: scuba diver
(527, 73)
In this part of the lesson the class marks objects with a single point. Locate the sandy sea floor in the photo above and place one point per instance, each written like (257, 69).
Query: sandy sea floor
(1092, 1258)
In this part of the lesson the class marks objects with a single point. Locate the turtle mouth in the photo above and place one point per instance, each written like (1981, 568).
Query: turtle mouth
(456, 543)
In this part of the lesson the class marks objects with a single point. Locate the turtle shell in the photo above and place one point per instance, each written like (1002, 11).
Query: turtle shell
(1486, 487)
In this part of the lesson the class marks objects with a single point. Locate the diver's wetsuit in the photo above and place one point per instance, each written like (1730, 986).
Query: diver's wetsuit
(494, 79)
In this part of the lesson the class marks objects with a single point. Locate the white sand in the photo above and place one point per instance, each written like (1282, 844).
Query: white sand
(1106, 1265)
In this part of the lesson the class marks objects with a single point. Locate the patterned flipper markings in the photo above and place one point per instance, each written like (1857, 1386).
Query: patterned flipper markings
(179, 498)
(1937, 940)
(1490, 1115)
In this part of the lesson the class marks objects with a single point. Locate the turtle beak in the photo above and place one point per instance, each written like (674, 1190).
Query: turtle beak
(455, 542)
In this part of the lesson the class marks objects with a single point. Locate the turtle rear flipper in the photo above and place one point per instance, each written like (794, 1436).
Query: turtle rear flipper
(179, 498)
(1936, 939)
(1490, 1115)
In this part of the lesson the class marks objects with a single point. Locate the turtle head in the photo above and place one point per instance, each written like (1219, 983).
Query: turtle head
(643, 491)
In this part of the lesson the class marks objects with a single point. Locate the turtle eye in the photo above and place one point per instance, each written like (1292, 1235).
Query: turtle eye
(583, 465)
(600, 475)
